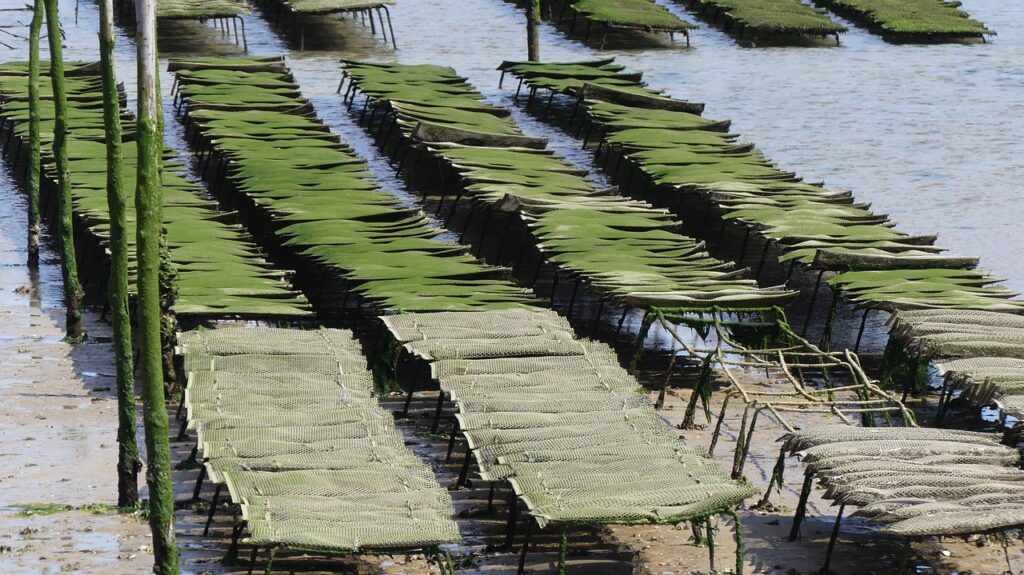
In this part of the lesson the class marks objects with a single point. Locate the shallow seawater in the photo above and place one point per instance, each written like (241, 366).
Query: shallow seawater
(927, 133)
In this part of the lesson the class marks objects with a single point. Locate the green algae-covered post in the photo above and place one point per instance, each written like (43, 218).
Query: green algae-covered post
(148, 216)
(128, 462)
(34, 146)
(65, 223)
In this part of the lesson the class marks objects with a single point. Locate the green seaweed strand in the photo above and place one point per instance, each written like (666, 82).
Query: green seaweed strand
(776, 479)
(741, 444)
(701, 392)
(270, 561)
(711, 542)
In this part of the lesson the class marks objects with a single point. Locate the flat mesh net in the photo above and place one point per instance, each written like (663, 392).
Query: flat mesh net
(985, 352)
(561, 420)
(917, 481)
(287, 420)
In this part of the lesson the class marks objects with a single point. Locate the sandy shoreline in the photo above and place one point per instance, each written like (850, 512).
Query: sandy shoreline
(58, 439)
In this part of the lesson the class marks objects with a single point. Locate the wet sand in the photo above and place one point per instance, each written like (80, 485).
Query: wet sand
(58, 439)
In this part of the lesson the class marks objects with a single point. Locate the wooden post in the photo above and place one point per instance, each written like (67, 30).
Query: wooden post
(148, 208)
(129, 463)
(34, 168)
(532, 32)
(65, 222)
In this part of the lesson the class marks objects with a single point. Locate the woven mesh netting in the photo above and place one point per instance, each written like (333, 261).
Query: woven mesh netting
(457, 325)
(917, 481)
(605, 364)
(986, 352)
(626, 250)
(543, 382)
(960, 333)
(326, 207)
(332, 6)
(180, 9)
(287, 420)
(351, 386)
(985, 380)
(285, 342)
(676, 150)
(552, 344)
(219, 271)
(570, 431)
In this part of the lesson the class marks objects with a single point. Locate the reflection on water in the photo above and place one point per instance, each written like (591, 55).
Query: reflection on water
(993, 414)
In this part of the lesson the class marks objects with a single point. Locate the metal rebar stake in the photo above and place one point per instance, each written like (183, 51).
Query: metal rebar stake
(832, 540)
(213, 509)
(526, 548)
(199, 483)
(464, 472)
(801, 508)
(513, 516)
(437, 411)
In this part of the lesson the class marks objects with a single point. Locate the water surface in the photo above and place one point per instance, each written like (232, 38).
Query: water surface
(927, 133)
